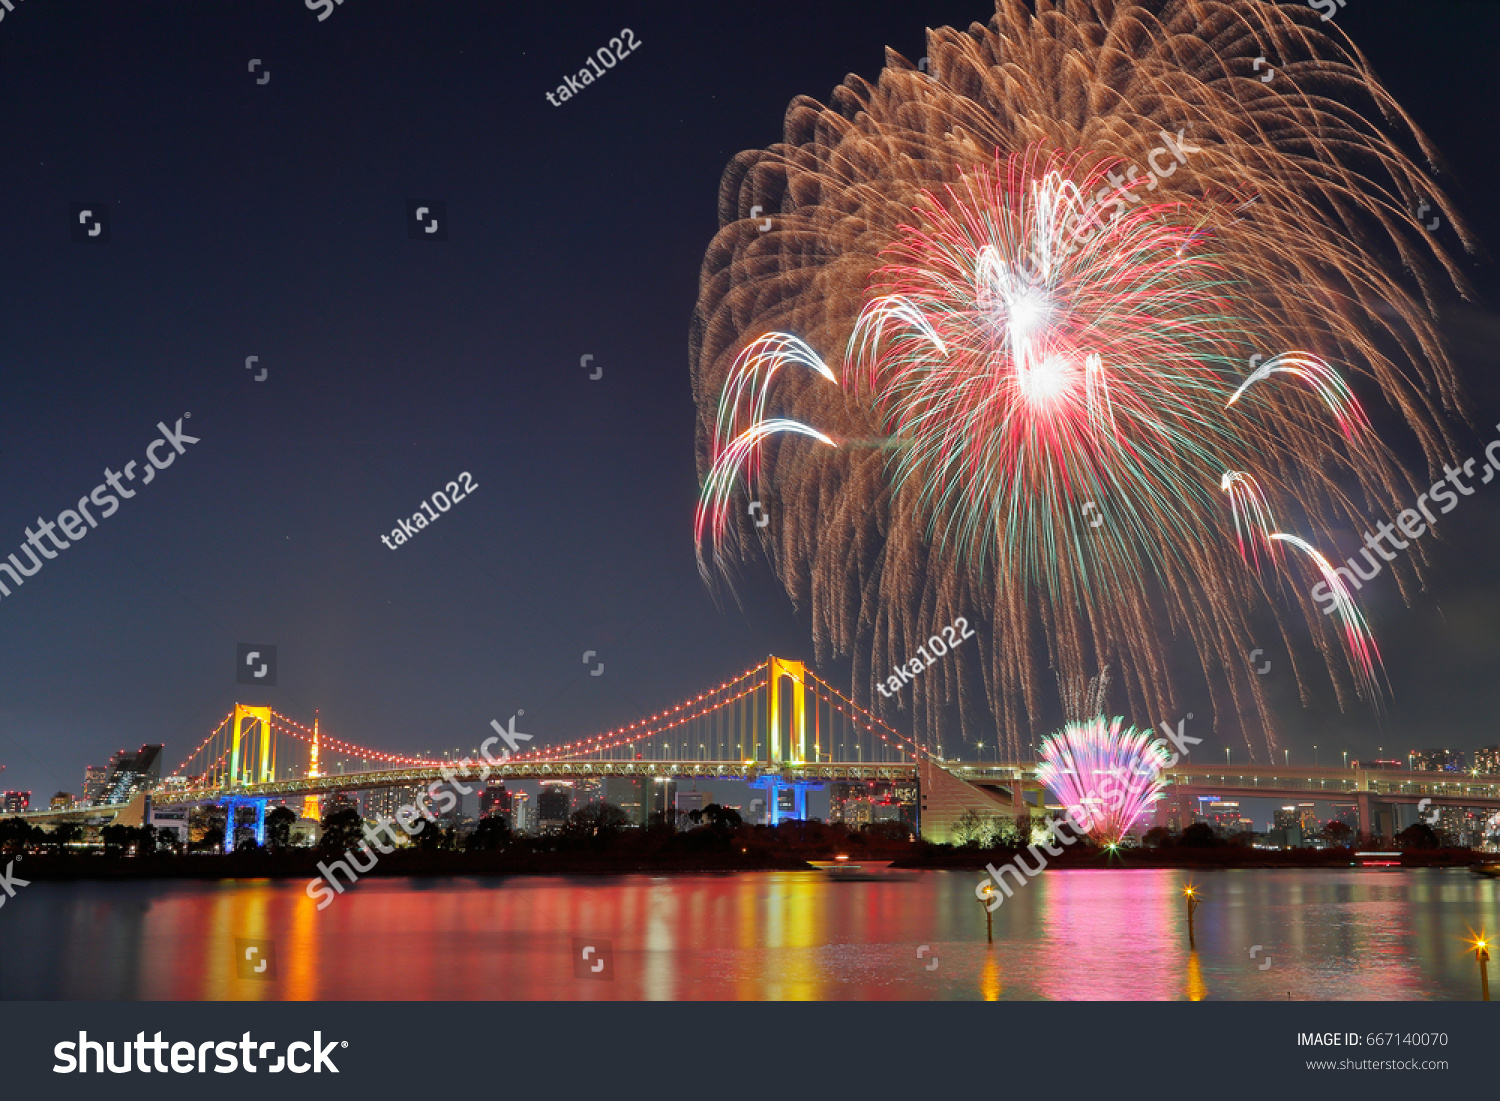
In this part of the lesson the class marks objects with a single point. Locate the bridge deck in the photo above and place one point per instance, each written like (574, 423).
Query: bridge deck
(1273, 782)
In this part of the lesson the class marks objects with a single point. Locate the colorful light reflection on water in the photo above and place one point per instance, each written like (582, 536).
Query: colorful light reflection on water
(783, 936)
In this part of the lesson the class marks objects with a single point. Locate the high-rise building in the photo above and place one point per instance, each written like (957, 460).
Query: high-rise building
(1176, 812)
(494, 801)
(130, 773)
(1458, 827)
(857, 813)
(61, 801)
(1286, 828)
(93, 784)
(1486, 760)
(841, 797)
(662, 793)
(630, 795)
(854, 803)
(905, 795)
(385, 802)
(692, 800)
(520, 812)
(1225, 817)
(553, 805)
(1438, 760)
(340, 800)
(15, 802)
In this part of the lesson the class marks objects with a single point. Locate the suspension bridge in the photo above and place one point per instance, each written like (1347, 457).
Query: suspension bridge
(776, 726)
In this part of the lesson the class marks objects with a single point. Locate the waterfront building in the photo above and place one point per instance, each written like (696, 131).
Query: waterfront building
(129, 773)
(859, 803)
(495, 801)
(1225, 817)
(905, 795)
(663, 794)
(521, 812)
(553, 805)
(1286, 828)
(1438, 760)
(93, 784)
(629, 794)
(174, 819)
(381, 803)
(341, 800)
(14, 802)
(1486, 761)
(305, 833)
(1175, 812)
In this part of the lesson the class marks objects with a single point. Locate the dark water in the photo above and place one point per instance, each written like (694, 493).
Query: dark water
(1356, 934)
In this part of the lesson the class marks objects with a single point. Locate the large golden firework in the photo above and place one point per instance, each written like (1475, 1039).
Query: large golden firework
(1045, 264)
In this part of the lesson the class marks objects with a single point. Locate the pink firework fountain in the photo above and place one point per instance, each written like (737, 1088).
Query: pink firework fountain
(1106, 774)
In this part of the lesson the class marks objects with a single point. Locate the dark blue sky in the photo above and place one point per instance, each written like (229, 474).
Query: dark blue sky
(270, 220)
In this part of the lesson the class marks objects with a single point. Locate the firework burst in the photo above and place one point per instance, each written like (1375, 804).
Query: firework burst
(1106, 774)
(1050, 405)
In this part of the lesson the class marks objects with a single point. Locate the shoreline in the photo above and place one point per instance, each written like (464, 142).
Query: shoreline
(71, 867)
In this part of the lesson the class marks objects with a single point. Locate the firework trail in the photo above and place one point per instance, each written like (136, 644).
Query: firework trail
(1035, 288)
(1322, 378)
(1106, 774)
(1361, 646)
(1253, 524)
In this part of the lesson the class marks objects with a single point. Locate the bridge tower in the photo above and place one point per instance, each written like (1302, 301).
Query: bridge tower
(796, 749)
(796, 672)
(258, 737)
(262, 739)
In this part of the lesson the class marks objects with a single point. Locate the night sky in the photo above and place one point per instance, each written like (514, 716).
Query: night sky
(271, 220)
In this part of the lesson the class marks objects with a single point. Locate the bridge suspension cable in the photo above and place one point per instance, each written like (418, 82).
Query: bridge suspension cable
(776, 712)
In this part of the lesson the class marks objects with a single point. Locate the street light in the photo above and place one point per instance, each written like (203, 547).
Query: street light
(1346, 758)
(1315, 755)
